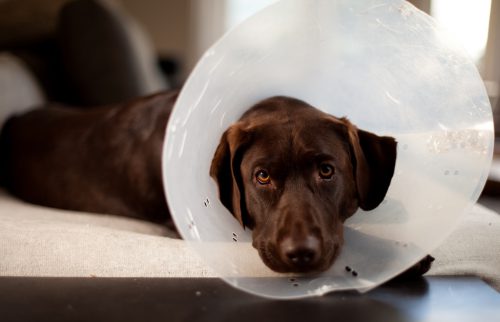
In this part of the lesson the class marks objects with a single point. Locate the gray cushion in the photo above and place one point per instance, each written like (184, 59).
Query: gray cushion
(19, 90)
(39, 241)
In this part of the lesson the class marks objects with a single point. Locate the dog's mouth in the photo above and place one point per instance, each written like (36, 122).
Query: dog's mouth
(303, 264)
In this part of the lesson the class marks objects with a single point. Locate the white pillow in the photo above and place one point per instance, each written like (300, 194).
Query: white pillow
(19, 90)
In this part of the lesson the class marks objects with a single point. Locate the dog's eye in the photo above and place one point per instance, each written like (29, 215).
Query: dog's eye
(326, 171)
(263, 177)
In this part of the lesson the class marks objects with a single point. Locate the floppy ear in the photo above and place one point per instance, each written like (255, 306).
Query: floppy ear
(374, 159)
(225, 170)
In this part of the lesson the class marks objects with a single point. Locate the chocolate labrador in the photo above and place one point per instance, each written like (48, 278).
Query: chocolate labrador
(294, 174)
(287, 171)
(103, 160)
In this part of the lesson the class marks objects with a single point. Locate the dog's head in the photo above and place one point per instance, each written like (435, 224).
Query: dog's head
(294, 174)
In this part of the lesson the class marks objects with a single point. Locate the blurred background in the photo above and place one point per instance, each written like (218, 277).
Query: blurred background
(93, 52)
(179, 31)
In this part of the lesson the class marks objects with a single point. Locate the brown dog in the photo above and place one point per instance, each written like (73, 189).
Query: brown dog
(103, 160)
(294, 174)
(286, 170)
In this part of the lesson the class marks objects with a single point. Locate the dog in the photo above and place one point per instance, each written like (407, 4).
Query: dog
(287, 171)
(101, 159)
(294, 174)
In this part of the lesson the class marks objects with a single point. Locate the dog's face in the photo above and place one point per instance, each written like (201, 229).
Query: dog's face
(294, 174)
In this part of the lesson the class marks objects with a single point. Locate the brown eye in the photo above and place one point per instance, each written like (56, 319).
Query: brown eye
(326, 171)
(263, 177)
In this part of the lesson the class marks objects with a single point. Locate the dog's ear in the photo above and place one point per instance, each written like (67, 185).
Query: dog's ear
(225, 170)
(374, 159)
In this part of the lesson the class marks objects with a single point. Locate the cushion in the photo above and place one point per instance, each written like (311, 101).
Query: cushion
(40, 241)
(473, 248)
(19, 88)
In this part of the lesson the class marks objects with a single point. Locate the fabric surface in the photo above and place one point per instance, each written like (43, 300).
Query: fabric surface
(473, 248)
(39, 241)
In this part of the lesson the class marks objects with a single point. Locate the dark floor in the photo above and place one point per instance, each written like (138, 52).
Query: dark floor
(454, 299)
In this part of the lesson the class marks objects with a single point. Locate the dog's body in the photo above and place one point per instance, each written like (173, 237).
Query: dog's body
(104, 160)
(286, 170)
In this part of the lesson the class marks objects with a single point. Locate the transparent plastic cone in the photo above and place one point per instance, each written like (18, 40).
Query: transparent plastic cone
(386, 66)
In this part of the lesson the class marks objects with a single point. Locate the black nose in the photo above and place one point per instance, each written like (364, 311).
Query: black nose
(302, 253)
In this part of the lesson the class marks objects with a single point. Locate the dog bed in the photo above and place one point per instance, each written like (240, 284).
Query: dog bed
(39, 241)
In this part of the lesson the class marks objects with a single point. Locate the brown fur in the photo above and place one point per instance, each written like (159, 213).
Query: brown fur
(297, 218)
(105, 159)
